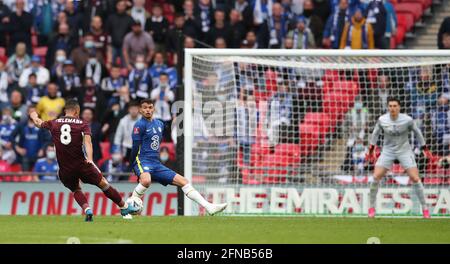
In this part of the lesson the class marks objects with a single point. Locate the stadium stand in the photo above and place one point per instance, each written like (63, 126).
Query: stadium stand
(337, 96)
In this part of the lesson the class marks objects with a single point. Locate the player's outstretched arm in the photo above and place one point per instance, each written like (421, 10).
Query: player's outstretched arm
(371, 155)
(426, 152)
(36, 120)
(134, 151)
(88, 148)
(418, 134)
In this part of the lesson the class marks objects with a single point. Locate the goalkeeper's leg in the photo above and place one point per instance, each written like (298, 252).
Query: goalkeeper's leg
(417, 185)
(377, 176)
(408, 162)
(195, 196)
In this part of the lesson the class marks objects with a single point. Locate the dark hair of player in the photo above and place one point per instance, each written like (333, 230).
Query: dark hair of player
(133, 103)
(72, 105)
(146, 101)
(394, 99)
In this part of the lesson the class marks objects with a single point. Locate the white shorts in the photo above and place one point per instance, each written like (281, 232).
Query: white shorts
(407, 160)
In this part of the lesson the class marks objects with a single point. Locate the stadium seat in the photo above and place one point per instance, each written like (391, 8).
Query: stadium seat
(198, 179)
(257, 152)
(34, 40)
(397, 169)
(168, 13)
(321, 119)
(275, 172)
(260, 95)
(309, 138)
(337, 103)
(393, 43)
(133, 178)
(249, 178)
(170, 59)
(433, 180)
(406, 20)
(413, 8)
(41, 52)
(271, 81)
(105, 148)
(425, 3)
(287, 154)
(401, 33)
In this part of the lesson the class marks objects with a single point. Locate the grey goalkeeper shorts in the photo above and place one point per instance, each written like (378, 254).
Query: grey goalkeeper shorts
(407, 160)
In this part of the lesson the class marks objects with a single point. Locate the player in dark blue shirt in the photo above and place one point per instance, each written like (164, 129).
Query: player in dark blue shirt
(144, 159)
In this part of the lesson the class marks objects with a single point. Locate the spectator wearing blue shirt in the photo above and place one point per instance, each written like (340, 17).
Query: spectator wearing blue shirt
(391, 24)
(111, 85)
(7, 126)
(440, 120)
(42, 12)
(69, 82)
(140, 80)
(275, 29)
(159, 67)
(335, 25)
(376, 16)
(47, 167)
(29, 142)
(163, 97)
(33, 91)
(114, 165)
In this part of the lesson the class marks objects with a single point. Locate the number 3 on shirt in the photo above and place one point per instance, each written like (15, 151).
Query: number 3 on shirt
(155, 143)
(65, 137)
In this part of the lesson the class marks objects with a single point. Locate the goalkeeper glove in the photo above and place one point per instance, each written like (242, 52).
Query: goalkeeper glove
(427, 153)
(371, 155)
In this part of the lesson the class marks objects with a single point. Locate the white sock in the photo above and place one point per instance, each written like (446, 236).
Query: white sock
(418, 189)
(373, 193)
(139, 190)
(87, 208)
(194, 195)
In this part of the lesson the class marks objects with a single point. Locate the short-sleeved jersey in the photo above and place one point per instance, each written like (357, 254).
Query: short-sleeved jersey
(396, 133)
(150, 135)
(67, 135)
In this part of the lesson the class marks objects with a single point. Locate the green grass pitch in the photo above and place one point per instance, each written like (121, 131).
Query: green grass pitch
(222, 229)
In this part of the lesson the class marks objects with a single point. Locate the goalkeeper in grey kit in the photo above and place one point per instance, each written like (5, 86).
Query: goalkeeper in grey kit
(396, 127)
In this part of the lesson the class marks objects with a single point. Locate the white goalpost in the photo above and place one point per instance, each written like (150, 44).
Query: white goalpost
(285, 132)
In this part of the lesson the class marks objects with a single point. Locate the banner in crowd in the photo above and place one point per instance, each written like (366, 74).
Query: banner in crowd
(55, 199)
(337, 200)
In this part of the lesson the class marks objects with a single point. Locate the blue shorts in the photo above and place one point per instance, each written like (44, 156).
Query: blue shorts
(158, 172)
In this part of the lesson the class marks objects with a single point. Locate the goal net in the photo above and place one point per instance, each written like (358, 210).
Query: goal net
(286, 131)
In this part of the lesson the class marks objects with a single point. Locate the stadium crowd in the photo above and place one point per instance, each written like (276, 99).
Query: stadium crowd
(109, 54)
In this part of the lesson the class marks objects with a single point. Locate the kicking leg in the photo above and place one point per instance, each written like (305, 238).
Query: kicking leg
(114, 196)
(417, 185)
(195, 196)
(377, 176)
(144, 183)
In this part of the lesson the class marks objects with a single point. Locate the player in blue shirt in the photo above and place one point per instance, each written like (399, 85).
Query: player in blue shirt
(144, 159)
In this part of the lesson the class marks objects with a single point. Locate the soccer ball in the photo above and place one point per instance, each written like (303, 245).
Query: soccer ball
(136, 202)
